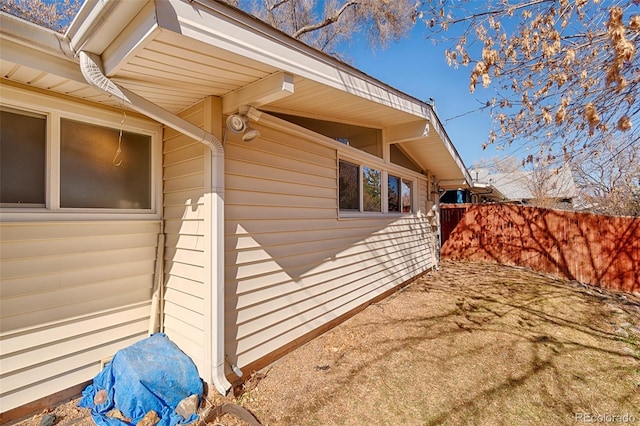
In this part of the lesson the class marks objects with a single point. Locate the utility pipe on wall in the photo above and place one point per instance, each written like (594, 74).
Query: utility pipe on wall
(91, 67)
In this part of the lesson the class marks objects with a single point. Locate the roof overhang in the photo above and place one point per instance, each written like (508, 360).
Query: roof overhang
(487, 190)
(175, 52)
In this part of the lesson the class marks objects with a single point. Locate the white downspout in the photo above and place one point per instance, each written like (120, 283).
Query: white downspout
(91, 67)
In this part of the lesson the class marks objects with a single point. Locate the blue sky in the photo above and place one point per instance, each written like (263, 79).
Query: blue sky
(418, 67)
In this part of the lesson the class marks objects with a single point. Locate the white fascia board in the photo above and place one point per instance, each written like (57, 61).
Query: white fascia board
(439, 129)
(33, 36)
(99, 22)
(226, 28)
(133, 38)
(38, 60)
(33, 46)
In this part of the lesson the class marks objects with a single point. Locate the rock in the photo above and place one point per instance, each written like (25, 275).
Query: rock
(100, 398)
(48, 420)
(615, 309)
(622, 332)
(188, 406)
(117, 414)
(149, 419)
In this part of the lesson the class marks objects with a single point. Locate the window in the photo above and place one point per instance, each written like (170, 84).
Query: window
(399, 194)
(94, 175)
(407, 196)
(349, 186)
(363, 138)
(351, 175)
(371, 190)
(51, 162)
(23, 141)
(361, 190)
(393, 194)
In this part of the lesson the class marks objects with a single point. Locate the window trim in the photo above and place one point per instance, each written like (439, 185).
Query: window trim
(54, 109)
(385, 169)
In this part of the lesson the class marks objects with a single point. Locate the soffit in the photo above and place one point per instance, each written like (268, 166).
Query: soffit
(179, 52)
(193, 53)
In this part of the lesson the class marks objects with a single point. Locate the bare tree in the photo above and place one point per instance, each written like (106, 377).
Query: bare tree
(609, 179)
(565, 73)
(56, 15)
(539, 185)
(324, 25)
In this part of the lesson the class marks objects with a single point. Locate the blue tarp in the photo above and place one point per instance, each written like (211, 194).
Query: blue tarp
(153, 374)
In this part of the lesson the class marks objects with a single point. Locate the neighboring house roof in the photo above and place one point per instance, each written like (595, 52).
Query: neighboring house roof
(176, 52)
(528, 185)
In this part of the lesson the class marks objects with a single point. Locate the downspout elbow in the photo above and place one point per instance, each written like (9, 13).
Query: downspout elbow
(91, 68)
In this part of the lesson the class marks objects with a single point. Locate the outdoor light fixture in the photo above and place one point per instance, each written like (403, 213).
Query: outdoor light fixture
(239, 124)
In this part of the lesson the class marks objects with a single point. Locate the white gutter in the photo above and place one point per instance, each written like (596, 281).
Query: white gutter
(91, 67)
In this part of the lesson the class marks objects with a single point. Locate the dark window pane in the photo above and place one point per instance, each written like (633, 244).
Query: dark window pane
(371, 190)
(22, 158)
(349, 186)
(90, 176)
(394, 194)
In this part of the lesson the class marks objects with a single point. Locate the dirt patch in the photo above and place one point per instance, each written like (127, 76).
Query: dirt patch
(473, 343)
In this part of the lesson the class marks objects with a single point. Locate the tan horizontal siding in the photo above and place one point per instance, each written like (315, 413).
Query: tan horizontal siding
(246, 183)
(244, 212)
(68, 279)
(54, 263)
(291, 264)
(274, 175)
(72, 294)
(252, 292)
(179, 227)
(279, 320)
(63, 247)
(21, 341)
(78, 369)
(184, 215)
(183, 198)
(65, 297)
(64, 353)
(52, 230)
(183, 270)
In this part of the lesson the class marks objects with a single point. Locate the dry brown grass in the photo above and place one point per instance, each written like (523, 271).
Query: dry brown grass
(471, 344)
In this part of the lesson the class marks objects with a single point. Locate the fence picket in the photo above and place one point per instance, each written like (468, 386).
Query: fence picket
(594, 249)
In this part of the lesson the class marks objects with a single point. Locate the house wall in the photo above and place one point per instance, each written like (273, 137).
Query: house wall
(72, 294)
(185, 238)
(292, 265)
(75, 286)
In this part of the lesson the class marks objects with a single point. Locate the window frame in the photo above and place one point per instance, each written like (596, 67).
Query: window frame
(385, 169)
(55, 109)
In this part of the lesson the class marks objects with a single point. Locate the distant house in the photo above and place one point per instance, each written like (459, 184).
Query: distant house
(181, 166)
(549, 187)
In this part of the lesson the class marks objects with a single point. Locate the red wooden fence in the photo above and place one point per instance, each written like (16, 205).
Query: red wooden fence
(594, 249)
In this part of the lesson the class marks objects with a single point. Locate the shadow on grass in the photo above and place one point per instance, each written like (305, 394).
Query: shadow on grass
(473, 344)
